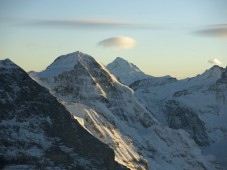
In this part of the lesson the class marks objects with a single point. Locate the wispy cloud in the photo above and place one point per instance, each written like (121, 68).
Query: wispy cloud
(214, 30)
(86, 23)
(119, 42)
(214, 61)
(79, 23)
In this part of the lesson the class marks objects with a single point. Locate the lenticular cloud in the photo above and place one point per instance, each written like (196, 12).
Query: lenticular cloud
(214, 61)
(118, 42)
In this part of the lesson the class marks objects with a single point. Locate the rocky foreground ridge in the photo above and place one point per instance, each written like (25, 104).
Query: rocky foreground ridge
(37, 132)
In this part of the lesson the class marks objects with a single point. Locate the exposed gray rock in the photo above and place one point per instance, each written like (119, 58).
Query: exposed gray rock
(181, 117)
(154, 81)
(219, 88)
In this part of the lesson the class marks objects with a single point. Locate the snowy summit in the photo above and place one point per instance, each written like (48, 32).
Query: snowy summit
(63, 63)
(125, 71)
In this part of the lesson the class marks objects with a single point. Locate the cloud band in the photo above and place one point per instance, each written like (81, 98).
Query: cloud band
(216, 30)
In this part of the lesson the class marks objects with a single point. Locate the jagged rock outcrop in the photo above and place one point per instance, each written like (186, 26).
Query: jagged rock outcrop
(181, 117)
(220, 88)
(154, 82)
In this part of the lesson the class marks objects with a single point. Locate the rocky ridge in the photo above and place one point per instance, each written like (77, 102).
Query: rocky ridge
(37, 132)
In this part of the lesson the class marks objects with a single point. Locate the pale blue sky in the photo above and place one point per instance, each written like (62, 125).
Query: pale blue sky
(175, 37)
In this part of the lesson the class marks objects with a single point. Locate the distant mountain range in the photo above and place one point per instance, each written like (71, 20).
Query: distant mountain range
(148, 127)
(149, 122)
(198, 105)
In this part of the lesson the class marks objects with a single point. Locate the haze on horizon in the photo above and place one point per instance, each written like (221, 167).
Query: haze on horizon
(178, 38)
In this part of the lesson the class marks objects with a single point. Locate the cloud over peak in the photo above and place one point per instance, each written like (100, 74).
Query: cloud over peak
(119, 42)
(214, 61)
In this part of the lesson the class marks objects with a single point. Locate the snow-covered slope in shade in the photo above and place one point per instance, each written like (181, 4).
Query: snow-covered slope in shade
(110, 111)
(37, 132)
(198, 105)
(126, 72)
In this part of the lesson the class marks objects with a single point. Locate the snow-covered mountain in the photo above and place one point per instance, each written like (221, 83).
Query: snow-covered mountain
(37, 132)
(197, 105)
(110, 111)
(125, 71)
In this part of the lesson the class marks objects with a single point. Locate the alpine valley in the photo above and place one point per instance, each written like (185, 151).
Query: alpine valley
(150, 122)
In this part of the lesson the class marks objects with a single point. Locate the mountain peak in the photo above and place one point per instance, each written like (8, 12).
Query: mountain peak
(122, 61)
(68, 58)
(211, 75)
(125, 71)
(119, 59)
(7, 65)
(216, 67)
(214, 71)
(64, 63)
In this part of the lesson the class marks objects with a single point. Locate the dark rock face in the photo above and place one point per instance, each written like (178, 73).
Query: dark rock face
(38, 133)
(180, 117)
(155, 81)
(219, 88)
